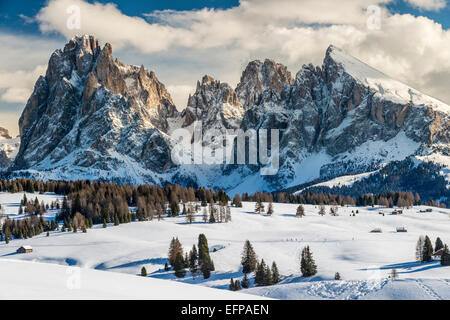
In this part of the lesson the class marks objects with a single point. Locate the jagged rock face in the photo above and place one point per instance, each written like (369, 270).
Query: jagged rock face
(93, 117)
(328, 109)
(215, 104)
(260, 76)
(92, 111)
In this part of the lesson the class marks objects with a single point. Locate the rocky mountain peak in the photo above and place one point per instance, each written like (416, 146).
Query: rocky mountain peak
(90, 105)
(213, 101)
(260, 76)
(94, 117)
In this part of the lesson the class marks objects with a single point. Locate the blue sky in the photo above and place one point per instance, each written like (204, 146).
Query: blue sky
(11, 10)
(187, 42)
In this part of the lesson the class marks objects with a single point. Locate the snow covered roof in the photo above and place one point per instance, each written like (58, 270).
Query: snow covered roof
(27, 247)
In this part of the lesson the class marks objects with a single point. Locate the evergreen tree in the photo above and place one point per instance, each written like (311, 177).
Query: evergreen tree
(204, 260)
(307, 264)
(445, 258)
(268, 281)
(260, 273)
(245, 283)
(427, 250)
(249, 259)
(232, 285)
(143, 272)
(193, 261)
(178, 266)
(237, 285)
(259, 206)
(439, 244)
(104, 223)
(275, 273)
(337, 276)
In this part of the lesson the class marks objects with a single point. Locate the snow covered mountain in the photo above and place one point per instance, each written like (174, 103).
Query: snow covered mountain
(93, 117)
(8, 148)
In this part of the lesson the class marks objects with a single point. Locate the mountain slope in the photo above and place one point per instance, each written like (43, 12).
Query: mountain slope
(93, 117)
(62, 282)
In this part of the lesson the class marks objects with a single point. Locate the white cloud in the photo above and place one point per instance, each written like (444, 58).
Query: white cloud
(19, 84)
(430, 5)
(179, 94)
(181, 46)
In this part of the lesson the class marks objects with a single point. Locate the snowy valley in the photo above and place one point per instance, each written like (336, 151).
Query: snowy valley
(113, 257)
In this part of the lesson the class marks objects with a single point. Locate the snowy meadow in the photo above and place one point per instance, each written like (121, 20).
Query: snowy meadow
(342, 243)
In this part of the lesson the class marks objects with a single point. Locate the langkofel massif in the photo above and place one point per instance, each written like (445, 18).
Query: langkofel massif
(93, 117)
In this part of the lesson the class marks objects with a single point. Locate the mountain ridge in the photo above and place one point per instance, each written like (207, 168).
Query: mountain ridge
(93, 117)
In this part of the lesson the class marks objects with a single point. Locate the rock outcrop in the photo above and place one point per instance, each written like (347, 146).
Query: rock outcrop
(93, 117)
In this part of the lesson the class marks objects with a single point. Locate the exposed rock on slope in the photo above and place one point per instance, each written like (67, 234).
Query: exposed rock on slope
(94, 117)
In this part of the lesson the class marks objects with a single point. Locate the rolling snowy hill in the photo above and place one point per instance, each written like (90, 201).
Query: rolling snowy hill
(341, 244)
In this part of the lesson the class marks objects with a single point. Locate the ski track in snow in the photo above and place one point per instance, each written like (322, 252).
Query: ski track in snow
(346, 290)
(428, 289)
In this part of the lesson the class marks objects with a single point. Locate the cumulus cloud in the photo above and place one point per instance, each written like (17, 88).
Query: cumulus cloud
(412, 49)
(430, 5)
(18, 85)
(179, 93)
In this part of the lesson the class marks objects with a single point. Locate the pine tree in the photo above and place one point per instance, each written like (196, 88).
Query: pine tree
(259, 274)
(275, 273)
(300, 211)
(270, 209)
(439, 244)
(104, 223)
(245, 283)
(249, 259)
(232, 285)
(237, 285)
(178, 266)
(307, 264)
(259, 206)
(268, 281)
(337, 276)
(143, 272)
(204, 260)
(445, 257)
(193, 261)
(427, 250)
